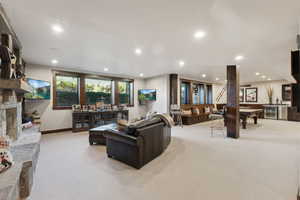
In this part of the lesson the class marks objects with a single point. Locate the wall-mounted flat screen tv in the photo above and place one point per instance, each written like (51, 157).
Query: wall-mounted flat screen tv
(41, 89)
(147, 95)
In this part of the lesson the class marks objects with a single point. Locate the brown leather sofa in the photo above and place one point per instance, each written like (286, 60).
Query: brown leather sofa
(192, 116)
(139, 144)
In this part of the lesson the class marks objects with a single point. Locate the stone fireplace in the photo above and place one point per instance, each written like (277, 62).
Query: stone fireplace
(11, 120)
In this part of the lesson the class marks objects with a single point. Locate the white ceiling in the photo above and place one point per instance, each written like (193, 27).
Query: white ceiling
(101, 34)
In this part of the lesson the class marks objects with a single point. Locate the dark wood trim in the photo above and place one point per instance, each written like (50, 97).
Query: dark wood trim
(87, 75)
(173, 89)
(82, 94)
(56, 130)
(117, 97)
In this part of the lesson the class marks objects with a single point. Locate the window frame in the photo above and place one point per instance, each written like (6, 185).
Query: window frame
(81, 84)
(70, 74)
(194, 82)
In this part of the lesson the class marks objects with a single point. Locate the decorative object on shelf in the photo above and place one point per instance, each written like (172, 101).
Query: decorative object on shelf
(270, 93)
(92, 107)
(85, 108)
(114, 107)
(277, 101)
(6, 160)
(99, 104)
(76, 108)
(251, 94)
(242, 94)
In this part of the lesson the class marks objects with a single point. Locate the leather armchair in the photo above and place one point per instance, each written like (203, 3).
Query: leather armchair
(148, 142)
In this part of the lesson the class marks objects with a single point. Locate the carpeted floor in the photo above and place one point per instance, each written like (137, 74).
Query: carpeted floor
(261, 165)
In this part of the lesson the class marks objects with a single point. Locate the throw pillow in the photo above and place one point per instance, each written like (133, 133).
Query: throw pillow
(186, 112)
(207, 110)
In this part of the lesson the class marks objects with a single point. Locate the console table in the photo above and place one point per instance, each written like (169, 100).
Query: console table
(83, 121)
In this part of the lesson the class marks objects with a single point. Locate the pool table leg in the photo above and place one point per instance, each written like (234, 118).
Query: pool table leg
(244, 122)
(255, 120)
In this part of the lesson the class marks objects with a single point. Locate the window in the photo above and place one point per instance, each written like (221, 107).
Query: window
(198, 94)
(209, 96)
(71, 88)
(125, 89)
(202, 94)
(66, 91)
(98, 90)
(185, 93)
(195, 92)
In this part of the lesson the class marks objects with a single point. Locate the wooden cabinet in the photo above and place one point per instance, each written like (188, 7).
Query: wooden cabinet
(83, 121)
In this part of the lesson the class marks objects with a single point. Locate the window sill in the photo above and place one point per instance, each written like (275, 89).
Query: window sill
(61, 108)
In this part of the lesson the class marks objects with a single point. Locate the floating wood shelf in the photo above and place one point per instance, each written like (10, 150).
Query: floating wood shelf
(18, 85)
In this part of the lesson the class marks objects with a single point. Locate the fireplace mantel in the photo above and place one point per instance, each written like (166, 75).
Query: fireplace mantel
(17, 85)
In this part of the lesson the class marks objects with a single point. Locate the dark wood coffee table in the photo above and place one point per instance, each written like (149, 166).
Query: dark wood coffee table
(96, 135)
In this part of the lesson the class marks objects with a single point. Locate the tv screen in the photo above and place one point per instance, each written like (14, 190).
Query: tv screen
(147, 95)
(41, 89)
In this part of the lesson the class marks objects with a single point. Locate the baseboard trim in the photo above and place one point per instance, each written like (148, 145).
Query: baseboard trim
(56, 130)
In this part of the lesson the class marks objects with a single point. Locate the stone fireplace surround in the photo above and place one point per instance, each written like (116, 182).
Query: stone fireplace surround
(17, 181)
(11, 120)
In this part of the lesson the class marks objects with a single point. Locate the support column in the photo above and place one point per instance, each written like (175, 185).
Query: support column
(233, 102)
(173, 89)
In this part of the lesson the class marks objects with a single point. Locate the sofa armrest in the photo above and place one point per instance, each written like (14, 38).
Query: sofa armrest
(121, 137)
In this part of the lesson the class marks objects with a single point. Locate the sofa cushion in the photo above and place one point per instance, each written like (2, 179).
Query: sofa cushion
(131, 129)
(195, 111)
(207, 110)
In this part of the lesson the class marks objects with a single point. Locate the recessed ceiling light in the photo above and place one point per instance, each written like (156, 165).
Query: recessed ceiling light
(138, 51)
(257, 73)
(203, 75)
(105, 69)
(141, 74)
(181, 63)
(199, 34)
(269, 79)
(57, 28)
(54, 61)
(263, 76)
(239, 58)
(217, 79)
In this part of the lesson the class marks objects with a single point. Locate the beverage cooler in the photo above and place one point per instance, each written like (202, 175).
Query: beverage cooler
(277, 112)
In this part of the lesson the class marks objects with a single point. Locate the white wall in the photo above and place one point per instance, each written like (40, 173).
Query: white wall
(162, 85)
(60, 119)
(262, 96)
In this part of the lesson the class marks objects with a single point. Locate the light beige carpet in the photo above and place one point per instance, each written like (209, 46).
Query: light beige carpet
(261, 165)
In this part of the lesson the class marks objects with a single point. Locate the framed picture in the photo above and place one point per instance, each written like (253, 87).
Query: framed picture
(286, 92)
(251, 94)
(242, 94)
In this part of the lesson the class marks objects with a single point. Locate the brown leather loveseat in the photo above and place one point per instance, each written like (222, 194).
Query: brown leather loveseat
(193, 114)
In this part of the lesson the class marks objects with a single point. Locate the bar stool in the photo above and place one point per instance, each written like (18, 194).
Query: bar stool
(176, 114)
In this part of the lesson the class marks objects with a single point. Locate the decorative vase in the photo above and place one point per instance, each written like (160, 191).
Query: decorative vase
(270, 100)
